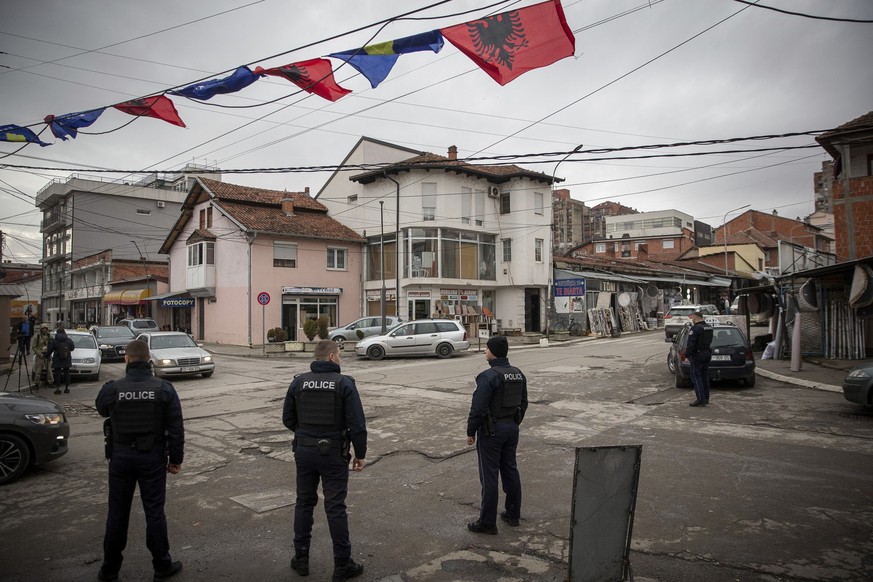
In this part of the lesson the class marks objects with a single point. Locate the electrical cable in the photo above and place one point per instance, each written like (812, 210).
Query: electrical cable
(802, 14)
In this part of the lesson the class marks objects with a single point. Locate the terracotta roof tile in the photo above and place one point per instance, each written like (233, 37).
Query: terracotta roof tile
(235, 192)
(427, 160)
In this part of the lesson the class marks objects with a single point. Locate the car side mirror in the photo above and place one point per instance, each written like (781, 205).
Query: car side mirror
(670, 340)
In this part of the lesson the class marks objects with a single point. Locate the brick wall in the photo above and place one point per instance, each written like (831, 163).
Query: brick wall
(861, 225)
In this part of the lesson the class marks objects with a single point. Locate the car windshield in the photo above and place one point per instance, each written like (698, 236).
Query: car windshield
(162, 342)
(145, 324)
(114, 332)
(85, 342)
(727, 337)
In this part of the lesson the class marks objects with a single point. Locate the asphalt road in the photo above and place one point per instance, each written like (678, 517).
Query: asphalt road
(767, 483)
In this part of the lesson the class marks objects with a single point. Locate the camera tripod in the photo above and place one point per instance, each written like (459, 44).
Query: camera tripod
(20, 358)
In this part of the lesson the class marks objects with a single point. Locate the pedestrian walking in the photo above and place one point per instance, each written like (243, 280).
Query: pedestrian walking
(324, 410)
(60, 349)
(498, 408)
(41, 361)
(698, 353)
(145, 440)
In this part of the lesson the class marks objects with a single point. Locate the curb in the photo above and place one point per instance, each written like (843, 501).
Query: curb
(799, 381)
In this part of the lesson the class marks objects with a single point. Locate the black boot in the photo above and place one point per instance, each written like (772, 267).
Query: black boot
(300, 562)
(345, 568)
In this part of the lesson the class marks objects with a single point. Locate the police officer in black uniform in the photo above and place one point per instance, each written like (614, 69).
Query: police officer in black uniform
(144, 429)
(698, 354)
(324, 410)
(499, 404)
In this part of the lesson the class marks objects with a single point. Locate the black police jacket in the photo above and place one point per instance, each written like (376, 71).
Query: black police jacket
(487, 383)
(169, 406)
(355, 422)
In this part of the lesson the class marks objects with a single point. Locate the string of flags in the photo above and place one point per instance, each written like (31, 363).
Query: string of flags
(504, 45)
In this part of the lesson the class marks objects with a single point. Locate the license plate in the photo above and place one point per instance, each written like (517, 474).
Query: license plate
(721, 358)
(190, 368)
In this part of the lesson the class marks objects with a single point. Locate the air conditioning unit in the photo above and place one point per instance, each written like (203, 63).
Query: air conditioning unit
(161, 204)
(493, 192)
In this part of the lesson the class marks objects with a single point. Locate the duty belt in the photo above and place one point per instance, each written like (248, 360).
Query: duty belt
(313, 442)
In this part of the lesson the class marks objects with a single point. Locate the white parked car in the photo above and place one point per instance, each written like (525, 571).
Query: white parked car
(175, 353)
(86, 357)
(367, 325)
(427, 337)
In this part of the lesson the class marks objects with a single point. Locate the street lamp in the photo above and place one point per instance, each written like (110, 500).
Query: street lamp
(552, 240)
(382, 259)
(724, 228)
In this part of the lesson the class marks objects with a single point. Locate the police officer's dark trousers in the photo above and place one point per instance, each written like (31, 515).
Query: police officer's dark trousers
(127, 468)
(497, 455)
(333, 471)
(700, 375)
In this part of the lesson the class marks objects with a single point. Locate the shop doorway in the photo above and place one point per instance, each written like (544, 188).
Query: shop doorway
(419, 309)
(289, 320)
(532, 310)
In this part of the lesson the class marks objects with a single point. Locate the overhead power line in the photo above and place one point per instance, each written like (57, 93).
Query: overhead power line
(803, 14)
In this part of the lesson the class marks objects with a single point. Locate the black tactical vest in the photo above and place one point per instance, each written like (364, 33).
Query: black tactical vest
(704, 336)
(137, 419)
(319, 406)
(507, 399)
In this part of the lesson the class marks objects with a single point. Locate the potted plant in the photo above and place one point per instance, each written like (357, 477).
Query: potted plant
(322, 327)
(310, 329)
(277, 334)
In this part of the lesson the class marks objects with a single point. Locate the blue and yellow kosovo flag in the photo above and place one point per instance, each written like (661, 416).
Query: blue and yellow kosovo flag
(375, 61)
(16, 133)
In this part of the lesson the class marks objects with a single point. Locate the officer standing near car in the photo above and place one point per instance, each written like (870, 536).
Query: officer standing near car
(698, 354)
(498, 407)
(39, 347)
(145, 441)
(324, 410)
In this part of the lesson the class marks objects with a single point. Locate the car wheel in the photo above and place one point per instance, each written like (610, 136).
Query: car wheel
(14, 458)
(671, 365)
(207, 374)
(340, 340)
(444, 350)
(375, 352)
(749, 382)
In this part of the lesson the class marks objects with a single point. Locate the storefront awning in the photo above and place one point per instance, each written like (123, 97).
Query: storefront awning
(169, 295)
(127, 296)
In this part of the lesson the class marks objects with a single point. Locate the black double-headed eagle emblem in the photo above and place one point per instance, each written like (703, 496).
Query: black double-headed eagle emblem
(497, 38)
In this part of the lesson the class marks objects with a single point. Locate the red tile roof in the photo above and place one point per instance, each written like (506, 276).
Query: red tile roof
(428, 161)
(261, 210)
(862, 124)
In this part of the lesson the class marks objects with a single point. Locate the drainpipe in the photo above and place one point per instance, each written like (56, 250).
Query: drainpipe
(249, 294)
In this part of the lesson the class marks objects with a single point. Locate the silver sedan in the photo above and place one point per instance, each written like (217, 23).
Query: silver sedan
(174, 353)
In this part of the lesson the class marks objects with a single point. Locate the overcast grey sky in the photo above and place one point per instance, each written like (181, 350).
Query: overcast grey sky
(758, 72)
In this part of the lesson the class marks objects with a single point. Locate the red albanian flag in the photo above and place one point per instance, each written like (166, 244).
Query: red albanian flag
(313, 76)
(159, 107)
(512, 43)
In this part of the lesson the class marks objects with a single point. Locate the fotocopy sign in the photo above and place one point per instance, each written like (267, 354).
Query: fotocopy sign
(176, 303)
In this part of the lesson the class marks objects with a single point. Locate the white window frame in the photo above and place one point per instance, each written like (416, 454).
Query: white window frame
(199, 254)
(285, 251)
(428, 201)
(538, 250)
(599, 247)
(506, 250)
(668, 243)
(539, 203)
(336, 255)
(466, 204)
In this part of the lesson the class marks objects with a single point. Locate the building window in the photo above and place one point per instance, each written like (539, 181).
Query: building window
(352, 198)
(479, 202)
(538, 203)
(504, 203)
(507, 249)
(466, 204)
(284, 254)
(538, 250)
(202, 253)
(336, 259)
(143, 212)
(428, 200)
(599, 247)
(209, 217)
(668, 243)
(637, 244)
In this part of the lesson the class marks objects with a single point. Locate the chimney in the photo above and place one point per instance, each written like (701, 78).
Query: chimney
(306, 190)
(643, 252)
(288, 206)
(453, 152)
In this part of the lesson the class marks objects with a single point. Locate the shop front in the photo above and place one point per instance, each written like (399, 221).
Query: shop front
(85, 305)
(126, 303)
(374, 302)
(302, 303)
(176, 309)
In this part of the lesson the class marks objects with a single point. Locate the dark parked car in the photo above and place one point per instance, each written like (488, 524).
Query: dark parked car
(112, 339)
(732, 357)
(33, 431)
(858, 386)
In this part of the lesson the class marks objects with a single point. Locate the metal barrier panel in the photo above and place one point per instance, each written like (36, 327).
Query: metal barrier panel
(605, 482)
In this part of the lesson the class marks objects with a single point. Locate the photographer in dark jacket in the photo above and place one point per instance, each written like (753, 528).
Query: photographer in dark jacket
(324, 410)
(146, 427)
(498, 407)
(59, 351)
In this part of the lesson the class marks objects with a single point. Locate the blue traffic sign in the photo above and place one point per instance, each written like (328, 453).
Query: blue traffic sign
(263, 297)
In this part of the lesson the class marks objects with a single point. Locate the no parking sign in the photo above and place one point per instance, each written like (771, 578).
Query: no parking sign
(263, 298)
